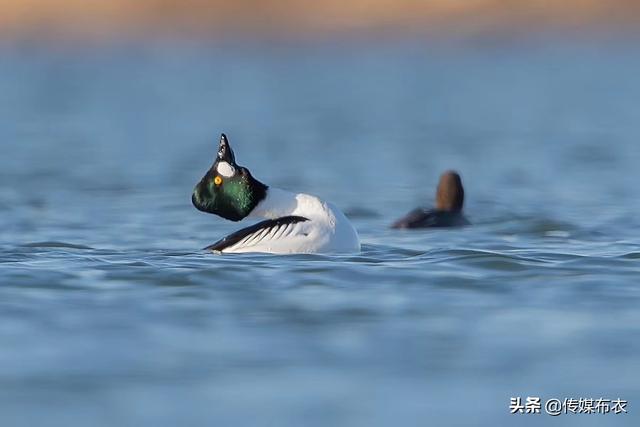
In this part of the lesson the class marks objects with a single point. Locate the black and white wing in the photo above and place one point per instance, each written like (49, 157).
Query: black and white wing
(262, 234)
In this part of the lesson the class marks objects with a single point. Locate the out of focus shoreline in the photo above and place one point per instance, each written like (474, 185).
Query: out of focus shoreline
(77, 20)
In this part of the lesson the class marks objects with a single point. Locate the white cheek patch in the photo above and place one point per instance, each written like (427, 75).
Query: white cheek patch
(225, 169)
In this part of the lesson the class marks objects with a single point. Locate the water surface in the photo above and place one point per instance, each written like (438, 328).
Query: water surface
(110, 314)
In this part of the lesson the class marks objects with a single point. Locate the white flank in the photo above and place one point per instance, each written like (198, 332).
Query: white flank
(327, 229)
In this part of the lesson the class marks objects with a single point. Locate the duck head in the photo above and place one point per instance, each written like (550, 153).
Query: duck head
(450, 194)
(228, 190)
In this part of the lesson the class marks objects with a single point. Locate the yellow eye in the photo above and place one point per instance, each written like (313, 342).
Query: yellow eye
(217, 180)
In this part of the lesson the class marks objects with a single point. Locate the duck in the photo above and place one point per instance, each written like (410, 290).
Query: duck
(448, 210)
(292, 223)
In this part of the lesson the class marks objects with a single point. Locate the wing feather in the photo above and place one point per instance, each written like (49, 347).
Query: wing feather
(270, 229)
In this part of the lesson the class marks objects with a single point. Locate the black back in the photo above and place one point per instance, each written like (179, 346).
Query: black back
(422, 218)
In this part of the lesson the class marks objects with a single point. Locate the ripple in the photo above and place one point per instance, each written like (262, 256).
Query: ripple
(630, 255)
(55, 244)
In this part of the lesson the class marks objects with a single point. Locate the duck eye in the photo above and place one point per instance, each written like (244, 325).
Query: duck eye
(217, 180)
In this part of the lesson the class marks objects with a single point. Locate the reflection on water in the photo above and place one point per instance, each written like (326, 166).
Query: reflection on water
(110, 314)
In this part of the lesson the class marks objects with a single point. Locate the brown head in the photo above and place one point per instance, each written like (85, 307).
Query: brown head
(450, 195)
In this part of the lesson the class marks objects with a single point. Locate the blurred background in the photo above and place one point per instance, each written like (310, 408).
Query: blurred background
(110, 112)
(121, 19)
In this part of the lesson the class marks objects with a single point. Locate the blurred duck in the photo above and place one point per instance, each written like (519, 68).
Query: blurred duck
(448, 210)
(294, 223)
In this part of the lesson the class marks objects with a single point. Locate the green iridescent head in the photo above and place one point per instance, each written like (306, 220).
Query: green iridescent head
(228, 190)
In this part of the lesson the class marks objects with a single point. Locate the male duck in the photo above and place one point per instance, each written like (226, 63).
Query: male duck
(295, 223)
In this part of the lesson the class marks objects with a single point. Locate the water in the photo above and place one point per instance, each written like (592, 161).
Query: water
(111, 315)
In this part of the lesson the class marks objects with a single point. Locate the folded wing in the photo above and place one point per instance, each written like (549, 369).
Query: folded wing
(261, 234)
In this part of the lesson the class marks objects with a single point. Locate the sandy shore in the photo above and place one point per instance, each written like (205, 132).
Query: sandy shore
(216, 18)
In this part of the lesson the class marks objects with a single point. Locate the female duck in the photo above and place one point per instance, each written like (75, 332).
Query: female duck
(448, 211)
(295, 223)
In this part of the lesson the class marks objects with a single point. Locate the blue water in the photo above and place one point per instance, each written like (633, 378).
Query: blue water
(111, 315)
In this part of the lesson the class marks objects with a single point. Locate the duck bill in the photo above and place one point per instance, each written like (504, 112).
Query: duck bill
(225, 153)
